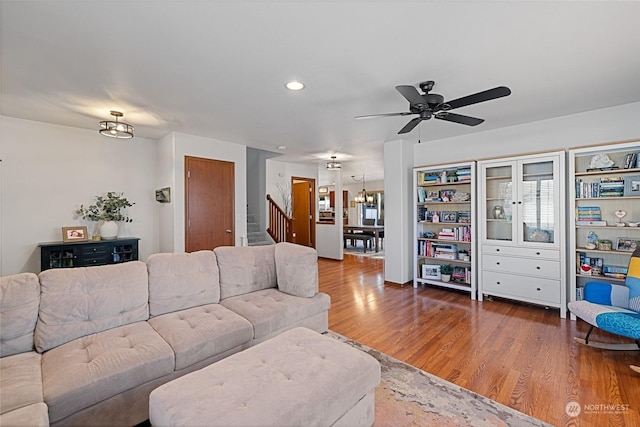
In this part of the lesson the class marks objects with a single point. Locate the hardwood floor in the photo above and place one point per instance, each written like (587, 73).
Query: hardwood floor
(520, 355)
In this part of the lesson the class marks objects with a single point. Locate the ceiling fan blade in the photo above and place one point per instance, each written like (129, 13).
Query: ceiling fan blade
(411, 94)
(487, 95)
(409, 126)
(459, 118)
(372, 116)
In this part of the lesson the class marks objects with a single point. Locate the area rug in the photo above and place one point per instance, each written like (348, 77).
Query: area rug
(408, 396)
(371, 253)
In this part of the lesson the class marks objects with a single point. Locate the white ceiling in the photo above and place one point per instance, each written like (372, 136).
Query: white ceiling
(218, 68)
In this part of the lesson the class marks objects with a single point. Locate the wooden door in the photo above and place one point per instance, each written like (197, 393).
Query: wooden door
(303, 201)
(209, 203)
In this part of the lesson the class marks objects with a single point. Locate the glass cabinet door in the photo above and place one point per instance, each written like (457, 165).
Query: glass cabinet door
(499, 202)
(538, 201)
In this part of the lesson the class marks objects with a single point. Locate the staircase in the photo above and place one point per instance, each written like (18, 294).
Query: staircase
(255, 236)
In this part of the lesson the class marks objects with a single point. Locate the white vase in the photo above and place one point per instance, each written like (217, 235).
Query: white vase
(109, 230)
(445, 277)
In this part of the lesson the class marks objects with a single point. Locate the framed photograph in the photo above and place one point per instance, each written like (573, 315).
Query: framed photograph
(433, 195)
(431, 271)
(632, 185)
(446, 195)
(449, 217)
(75, 234)
(626, 245)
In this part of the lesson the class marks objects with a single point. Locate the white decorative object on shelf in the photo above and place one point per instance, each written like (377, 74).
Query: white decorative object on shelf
(600, 161)
(620, 214)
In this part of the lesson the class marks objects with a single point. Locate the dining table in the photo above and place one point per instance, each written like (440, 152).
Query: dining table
(376, 229)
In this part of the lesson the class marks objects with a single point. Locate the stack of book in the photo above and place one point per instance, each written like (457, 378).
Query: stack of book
(445, 251)
(462, 233)
(463, 174)
(425, 178)
(447, 234)
(611, 187)
(589, 215)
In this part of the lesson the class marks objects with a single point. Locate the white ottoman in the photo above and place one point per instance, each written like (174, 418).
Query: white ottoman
(299, 378)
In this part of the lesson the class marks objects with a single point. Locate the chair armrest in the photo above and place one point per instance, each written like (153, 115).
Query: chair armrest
(607, 294)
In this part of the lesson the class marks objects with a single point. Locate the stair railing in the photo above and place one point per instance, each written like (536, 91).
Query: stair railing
(279, 222)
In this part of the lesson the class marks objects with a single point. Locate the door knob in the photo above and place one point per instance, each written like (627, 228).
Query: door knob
(228, 230)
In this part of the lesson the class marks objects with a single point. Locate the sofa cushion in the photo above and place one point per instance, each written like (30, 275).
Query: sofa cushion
(75, 302)
(21, 381)
(270, 310)
(19, 300)
(245, 269)
(198, 333)
(35, 415)
(297, 269)
(182, 280)
(90, 369)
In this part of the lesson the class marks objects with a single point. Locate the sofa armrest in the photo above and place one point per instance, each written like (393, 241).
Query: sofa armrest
(607, 294)
(296, 269)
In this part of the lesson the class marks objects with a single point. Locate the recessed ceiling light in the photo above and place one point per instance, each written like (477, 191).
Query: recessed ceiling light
(294, 85)
(282, 147)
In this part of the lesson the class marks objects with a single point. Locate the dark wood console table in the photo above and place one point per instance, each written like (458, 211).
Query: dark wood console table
(85, 254)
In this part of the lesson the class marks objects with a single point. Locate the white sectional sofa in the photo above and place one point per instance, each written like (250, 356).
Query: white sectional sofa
(86, 346)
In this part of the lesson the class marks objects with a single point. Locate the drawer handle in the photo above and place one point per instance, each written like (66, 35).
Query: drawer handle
(537, 253)
(538, 267)
(497, 283)
(498, 263)
(94, 249)
(497, 250)
(537, 289)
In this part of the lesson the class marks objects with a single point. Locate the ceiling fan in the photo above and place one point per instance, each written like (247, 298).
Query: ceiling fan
(429, 105)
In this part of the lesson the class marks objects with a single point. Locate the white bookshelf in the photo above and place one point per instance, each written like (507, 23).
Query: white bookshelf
(454, 226)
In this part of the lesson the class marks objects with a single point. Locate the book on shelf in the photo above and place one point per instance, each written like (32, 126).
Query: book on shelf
(592, 223)
(631, 160)
(422, 195)
(426, 178)
(461, 275)
(611, 187)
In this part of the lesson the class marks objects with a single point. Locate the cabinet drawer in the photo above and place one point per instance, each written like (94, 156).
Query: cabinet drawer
(94, 250)
(533, 289)
(524, 266)
(521, 252)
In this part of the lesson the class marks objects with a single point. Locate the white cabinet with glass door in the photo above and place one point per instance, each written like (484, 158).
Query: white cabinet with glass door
(522, 227)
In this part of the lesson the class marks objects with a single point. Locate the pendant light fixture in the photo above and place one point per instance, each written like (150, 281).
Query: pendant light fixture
(362, 197)
(334, 165)
(116, 129)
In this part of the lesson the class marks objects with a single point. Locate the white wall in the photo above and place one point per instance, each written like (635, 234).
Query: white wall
(593, 127)
(47, 171)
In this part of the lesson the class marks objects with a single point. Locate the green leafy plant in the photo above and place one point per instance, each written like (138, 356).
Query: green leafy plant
(107, 208)
(446, 269)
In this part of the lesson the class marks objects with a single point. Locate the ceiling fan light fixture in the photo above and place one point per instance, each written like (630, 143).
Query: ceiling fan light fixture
(116, 129)
(333, 165)
(294, 85)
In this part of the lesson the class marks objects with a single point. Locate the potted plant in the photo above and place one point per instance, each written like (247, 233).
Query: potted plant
(107, 210)
(445, 272)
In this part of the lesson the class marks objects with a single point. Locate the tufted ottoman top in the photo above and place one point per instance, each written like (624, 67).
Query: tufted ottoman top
(297, 378)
